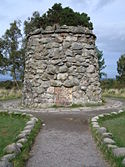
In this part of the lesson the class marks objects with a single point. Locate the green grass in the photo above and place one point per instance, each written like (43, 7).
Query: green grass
(117, 93)
(117, 127)
(10, 127)
(115, 124)
(8, 94)
(78, 105)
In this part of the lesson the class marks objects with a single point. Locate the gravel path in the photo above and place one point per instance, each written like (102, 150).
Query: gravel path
(65, 140)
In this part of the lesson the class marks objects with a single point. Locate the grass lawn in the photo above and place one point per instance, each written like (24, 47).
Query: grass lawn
(10, 127)
(117, 127)
(79, 105)
(118, 93)
(114, 124)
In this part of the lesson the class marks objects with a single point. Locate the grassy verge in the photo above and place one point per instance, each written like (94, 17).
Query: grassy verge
(114, 124)
(116, 93)
(117, 127)
(21, 159)
(79, 105)
(10, 127)
(8, 94)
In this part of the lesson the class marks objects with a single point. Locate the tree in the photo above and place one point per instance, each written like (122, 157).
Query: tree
(57, 15)
(121, 68)
(101, 63)
(11, 51)
(32, 23)
(3, 60)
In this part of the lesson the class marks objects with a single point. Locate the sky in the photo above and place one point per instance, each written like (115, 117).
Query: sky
(107, 16)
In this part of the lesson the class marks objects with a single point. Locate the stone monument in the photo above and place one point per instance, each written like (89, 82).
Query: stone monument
(61, 67)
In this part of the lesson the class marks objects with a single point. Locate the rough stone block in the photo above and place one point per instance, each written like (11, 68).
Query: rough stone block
(119, 152)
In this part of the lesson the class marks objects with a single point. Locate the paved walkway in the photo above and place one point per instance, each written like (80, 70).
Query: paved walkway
(65, 140)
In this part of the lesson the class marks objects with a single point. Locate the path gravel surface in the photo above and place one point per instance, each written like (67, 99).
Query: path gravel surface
(65, 141)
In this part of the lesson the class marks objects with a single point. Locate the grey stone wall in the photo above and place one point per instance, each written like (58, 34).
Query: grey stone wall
(61, 67)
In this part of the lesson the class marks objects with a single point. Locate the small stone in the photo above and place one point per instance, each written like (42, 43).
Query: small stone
(23, 140)
(45, 77)
(17, 113)
(110, 146)
(63, 69)
(95, 123)
(94, 119)
(29, 127)
(27, 132)
(90, 69)
(21, 135)
(96, 126)
(123, 162)
(31, 122)
(10, 112)
(108, 141)
(66, 45)
(81, 70)
(120, 111)
(8, 157)
(71, 83)
(30, 115)
(12, 148)
(50, 90)
(101, 115)
(34, 119)
(56, 83)
(77, 46)
(105, 135)
(51, 69)
(83, 88)
(59, 39)
(62, 76)
(49, 28)
(88, 46)
(101, 130)
(37, 31)
(5, 163)
(45, 40)
(19, 145)
(115, 113)
(40, 90)
(69, 53)
(119, 152)
(79, 58)
(70, 38)
(23, 114)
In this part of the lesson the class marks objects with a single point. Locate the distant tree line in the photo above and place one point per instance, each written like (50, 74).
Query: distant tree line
(13, 43)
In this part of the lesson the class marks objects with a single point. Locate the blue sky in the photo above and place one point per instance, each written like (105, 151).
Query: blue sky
(108, 17)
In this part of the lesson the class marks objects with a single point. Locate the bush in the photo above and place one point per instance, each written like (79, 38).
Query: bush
(112, 84)
(10, 84)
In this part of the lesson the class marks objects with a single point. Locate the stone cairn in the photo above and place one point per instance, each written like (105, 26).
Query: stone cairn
(61, 67)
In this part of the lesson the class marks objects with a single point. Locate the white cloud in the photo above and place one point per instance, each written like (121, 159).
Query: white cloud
(103, 3)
